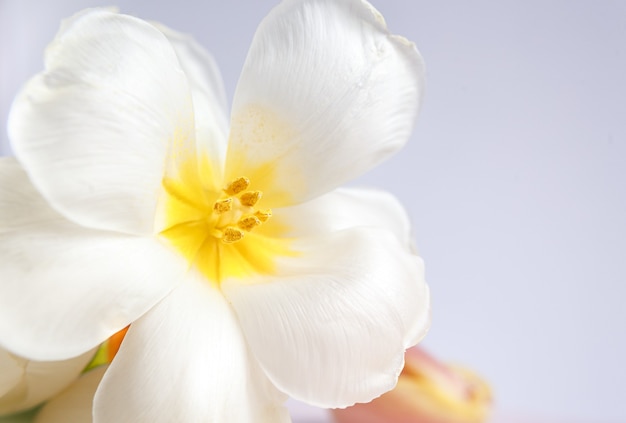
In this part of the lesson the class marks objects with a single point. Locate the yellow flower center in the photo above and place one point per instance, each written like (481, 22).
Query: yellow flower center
(220, 230)
(234, 214)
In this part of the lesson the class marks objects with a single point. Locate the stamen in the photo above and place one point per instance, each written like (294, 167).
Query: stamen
(263, 215)
(250, 198)
(235, 187)
(222, 206)
(232, 235)
(248, 223)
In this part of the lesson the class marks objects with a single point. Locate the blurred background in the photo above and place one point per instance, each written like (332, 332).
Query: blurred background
(514, 179)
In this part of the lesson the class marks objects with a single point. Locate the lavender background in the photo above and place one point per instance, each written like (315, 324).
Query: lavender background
(514, 179)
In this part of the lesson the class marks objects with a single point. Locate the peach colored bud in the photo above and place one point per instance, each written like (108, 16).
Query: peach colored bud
(427, 392)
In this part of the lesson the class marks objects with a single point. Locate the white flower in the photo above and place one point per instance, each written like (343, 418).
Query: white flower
(245, 274)
(25, 384)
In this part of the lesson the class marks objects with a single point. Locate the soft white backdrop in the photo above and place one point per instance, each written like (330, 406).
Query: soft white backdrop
(515, 179)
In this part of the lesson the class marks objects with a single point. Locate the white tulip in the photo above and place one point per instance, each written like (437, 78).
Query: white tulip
(245, 274)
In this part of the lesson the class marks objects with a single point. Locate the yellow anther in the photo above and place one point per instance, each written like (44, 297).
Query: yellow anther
(231, 235)
(235, 187)
(250, 198)
(248, 223)
(263, 215)
(222, 206)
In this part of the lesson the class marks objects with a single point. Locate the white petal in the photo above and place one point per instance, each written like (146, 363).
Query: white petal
(11, 372)
(345, 208)
(325, 94)
(65, 289)
(93, 130)
(209, 97)
(186, 361)
(74, 405)
(39, 380)
(332, 327)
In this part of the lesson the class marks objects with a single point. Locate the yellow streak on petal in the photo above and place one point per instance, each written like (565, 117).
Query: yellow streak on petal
(255, 254)
(187, 237)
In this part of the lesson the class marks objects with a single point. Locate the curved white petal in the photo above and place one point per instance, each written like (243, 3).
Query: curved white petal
(95, 128)
(325, 94)
(331, 328)
(209, 97)
(345, 208)
(38, 380)
(64, 289)
(74, 405)
(186, 361)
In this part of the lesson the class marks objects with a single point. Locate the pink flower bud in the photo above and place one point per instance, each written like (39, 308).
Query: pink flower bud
(427, 392)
